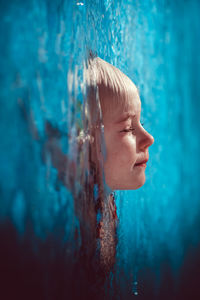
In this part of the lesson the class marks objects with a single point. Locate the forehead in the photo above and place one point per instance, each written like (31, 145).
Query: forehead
(124, 109)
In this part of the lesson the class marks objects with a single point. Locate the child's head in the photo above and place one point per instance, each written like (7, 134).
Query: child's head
(126, 141)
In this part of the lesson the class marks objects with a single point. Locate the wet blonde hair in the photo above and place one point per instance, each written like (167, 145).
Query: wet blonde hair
(113, 87)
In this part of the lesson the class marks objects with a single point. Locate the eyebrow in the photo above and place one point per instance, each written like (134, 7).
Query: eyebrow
(124, 118)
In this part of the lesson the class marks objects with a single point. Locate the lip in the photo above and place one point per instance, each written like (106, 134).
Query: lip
(142, 163)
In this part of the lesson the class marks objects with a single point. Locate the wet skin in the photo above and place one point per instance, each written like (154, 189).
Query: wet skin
(126, 143)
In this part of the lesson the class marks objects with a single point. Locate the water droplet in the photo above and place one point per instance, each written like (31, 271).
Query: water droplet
(135, 287)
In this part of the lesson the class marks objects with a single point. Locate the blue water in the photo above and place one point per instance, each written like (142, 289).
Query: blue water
(43, 48)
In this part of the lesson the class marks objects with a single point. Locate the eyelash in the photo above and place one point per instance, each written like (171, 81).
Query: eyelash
(128, 130)
(131, 129)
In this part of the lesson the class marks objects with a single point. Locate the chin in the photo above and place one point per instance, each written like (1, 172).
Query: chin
(127, 185)
(139, 183)
(139, 186)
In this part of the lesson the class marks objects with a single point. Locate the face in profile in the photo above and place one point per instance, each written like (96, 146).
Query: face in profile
(126, 143)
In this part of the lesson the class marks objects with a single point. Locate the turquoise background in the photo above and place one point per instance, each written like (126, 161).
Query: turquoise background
(43, 48)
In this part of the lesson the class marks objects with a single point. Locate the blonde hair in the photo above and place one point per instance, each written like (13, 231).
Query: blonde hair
(112, 86)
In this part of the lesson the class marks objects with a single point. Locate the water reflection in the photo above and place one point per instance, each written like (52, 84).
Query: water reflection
(48, 239)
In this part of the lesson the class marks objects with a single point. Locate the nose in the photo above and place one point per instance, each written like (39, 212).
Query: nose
(146, 140)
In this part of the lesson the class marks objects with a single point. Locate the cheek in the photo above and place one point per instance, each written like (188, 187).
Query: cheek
(121, 151)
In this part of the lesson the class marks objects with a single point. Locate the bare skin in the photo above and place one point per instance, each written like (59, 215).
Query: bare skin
(127, 144)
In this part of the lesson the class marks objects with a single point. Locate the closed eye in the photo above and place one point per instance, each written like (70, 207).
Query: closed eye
(128, 130)
(131, 129)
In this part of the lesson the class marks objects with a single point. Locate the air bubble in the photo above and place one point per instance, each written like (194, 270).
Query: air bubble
(134, 289)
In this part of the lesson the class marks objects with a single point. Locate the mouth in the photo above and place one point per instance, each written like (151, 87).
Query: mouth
(142, 163)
